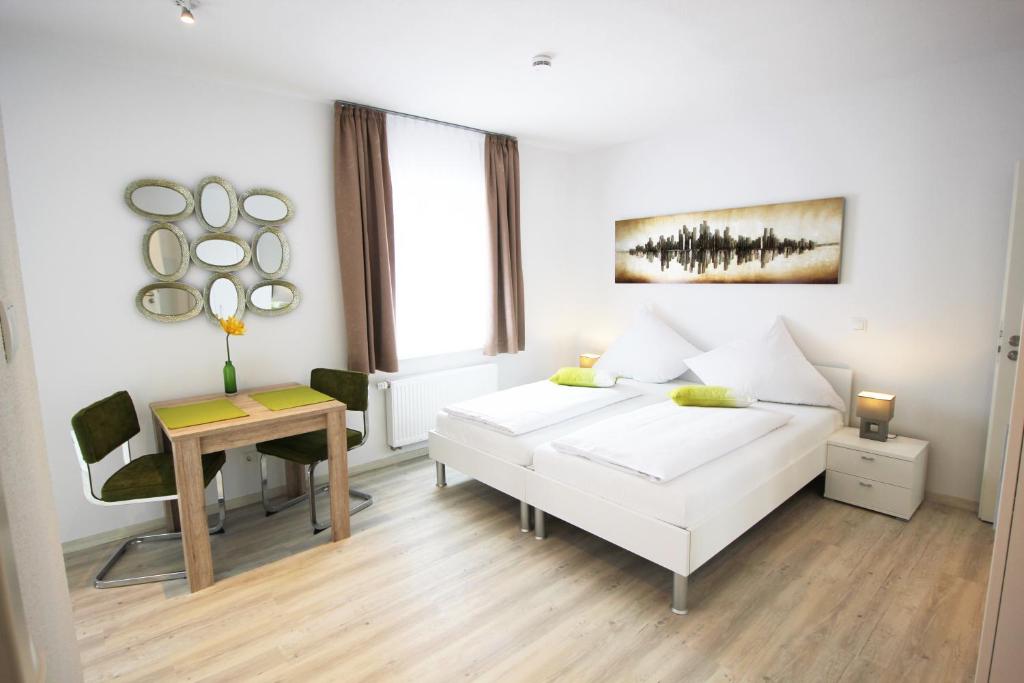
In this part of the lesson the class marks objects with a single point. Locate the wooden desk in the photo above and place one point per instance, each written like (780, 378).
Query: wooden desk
(261, 424)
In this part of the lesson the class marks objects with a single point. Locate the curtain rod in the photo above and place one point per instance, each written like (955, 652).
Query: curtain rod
(424, 118)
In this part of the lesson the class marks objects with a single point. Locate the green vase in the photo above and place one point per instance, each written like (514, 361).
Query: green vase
(230, 387)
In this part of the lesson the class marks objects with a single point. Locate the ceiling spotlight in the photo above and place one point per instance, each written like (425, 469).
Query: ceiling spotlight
(542, 62)
(186, 11)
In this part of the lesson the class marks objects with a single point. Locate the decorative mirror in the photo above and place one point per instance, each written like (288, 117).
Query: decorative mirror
(159, 200)
(168, 254)
(225, 297)
(270, 252)
(169, 302)
(216, 204)
(165, 252)
(273, 297)
(221, 253)
(265, 207)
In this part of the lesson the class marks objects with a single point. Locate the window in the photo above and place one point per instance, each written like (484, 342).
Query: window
(442, 273)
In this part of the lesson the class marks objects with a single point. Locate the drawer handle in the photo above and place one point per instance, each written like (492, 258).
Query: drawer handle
(864, 483)
(867, 457)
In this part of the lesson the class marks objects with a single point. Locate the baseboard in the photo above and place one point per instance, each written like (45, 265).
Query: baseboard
(112, 535)
(952, 501)
(390, 460)
(157, 523)
(379, 464)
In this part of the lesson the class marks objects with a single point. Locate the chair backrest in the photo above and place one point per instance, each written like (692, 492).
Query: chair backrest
(103, 426)
(349, 387)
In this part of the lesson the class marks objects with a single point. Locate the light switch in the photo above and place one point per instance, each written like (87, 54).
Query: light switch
(8, 335)
(858, 324)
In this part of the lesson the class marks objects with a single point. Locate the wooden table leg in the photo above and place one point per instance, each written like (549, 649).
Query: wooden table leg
(195, 535)
(337, 472)
(172, 520)
(163, 445)
(294, 479)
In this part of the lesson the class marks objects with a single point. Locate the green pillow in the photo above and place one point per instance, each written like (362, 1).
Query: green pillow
(710, 397)
(583, 377)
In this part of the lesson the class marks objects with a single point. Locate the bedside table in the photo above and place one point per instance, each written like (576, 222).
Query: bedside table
(883, 476)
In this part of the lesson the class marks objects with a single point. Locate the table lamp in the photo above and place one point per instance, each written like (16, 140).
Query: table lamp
(587, 360)
(875, 409)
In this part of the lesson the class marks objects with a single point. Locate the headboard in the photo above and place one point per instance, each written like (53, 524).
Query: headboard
(841, 380)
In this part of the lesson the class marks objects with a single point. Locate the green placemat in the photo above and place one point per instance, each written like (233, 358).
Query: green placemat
(293, 397)
(192, 414)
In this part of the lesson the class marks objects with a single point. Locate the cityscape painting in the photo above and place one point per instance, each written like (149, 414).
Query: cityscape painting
(791, 243)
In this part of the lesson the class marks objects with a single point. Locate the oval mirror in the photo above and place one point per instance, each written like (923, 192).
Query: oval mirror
(221, 253)
(265, 207)
(225, 297)
(169, 302)
(165, 252)
(161, 200)
(216, 204)
(270, 252)
(273, 297)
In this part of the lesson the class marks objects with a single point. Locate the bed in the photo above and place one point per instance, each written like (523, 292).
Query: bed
(679, 524)
(499, 460)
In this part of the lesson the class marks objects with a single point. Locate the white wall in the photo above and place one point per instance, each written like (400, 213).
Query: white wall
(926, 166)
(78, 131)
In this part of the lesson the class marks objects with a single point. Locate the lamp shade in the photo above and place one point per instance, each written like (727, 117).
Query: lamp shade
(876, 406)
(587, 360)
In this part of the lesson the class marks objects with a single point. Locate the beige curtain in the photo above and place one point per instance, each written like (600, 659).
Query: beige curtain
(366, 236)
(507, 333)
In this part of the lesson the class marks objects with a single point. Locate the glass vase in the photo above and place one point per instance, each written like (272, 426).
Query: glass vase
(230, 386)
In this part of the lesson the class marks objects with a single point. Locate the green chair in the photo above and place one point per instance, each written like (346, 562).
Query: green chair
(97, 431)
(310, 449)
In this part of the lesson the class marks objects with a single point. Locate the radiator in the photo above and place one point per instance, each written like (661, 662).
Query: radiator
(412, 403)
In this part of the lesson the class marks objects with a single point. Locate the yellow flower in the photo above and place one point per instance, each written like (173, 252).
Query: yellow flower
(232, 325)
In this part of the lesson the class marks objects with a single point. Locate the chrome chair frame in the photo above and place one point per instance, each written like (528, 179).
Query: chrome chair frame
(366, 498)
(100, 580)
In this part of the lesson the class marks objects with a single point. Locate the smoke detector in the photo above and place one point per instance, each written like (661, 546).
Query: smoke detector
(542, 62)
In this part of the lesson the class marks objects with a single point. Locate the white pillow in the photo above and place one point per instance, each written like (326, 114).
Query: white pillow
(771, 367)
(648, 351)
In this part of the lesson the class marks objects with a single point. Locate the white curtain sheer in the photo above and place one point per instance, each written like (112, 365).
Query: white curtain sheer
(441, 237)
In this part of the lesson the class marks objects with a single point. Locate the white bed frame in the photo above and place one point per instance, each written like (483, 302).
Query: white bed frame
(679, 550)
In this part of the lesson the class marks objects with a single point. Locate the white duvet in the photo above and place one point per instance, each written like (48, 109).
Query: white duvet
(534, 406)
(664, 441)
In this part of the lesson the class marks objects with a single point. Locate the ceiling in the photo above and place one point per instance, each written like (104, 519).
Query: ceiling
(622, 69)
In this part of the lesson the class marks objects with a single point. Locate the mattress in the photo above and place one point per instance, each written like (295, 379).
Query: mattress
(688, 500)
(519, 450)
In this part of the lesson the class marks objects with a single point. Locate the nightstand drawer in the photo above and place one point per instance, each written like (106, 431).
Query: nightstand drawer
(875, 495)
(871, 466)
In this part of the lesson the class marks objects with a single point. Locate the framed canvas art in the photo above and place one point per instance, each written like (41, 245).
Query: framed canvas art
(791, 243)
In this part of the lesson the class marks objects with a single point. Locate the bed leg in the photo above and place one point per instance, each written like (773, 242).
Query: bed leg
(524, 517)
(439, 472)
(538, 524)
(679, 593)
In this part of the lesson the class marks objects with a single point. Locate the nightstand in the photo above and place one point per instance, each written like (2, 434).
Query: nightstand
(883, 476)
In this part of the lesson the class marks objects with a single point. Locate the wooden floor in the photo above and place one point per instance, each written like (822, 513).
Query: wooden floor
(440, 585)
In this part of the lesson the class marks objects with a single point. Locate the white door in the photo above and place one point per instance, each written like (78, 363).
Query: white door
(1007, 349)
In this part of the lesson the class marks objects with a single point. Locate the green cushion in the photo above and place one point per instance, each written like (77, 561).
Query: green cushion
(103, 426)
(583, 377)
(351, 388)
(710, 397)
(305, 449)
(153, 475)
